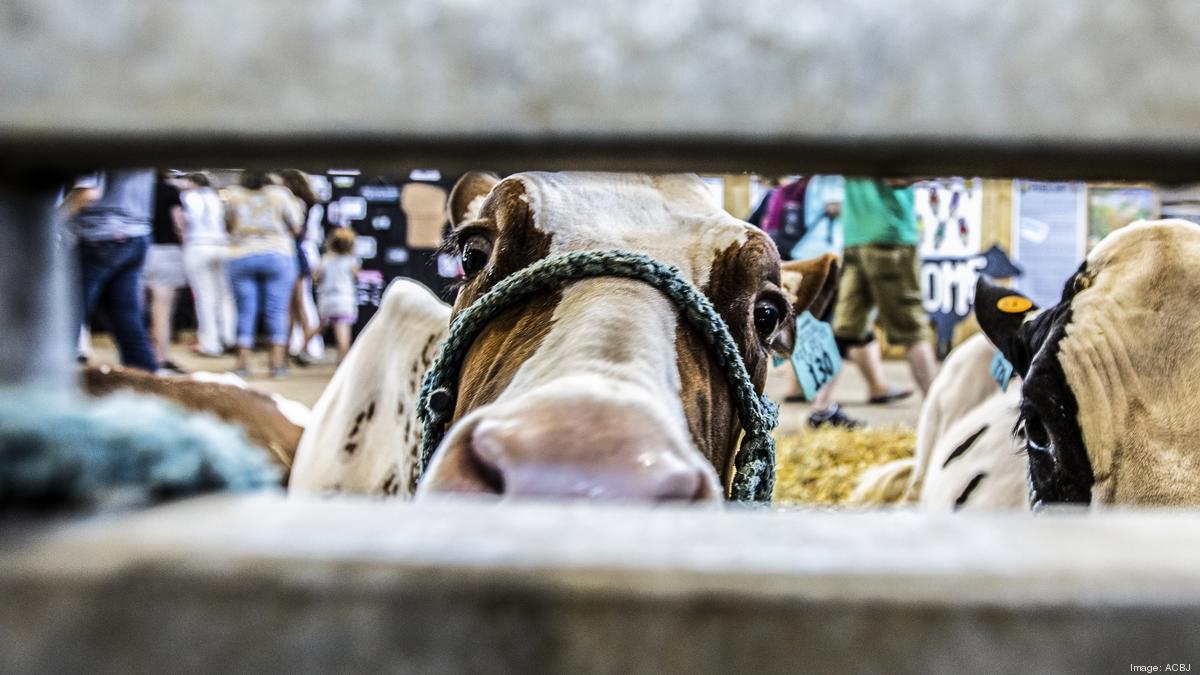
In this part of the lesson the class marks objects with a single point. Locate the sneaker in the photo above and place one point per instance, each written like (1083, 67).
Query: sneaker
(301, 360)
(243, 373)
(278, 373)
(834, 417)
(171, 368)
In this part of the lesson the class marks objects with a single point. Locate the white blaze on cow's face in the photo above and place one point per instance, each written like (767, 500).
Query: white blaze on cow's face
(1113, 383)
(598, 391)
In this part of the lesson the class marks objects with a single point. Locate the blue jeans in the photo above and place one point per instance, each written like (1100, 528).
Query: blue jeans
(111, 272)
(262, 280)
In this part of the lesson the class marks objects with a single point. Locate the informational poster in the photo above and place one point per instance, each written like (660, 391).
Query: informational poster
(949, 216)
(950, 219)
(399, 221)
(1111, 207)
(1050, 232)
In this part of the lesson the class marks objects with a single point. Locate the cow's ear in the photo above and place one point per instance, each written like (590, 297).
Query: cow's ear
(1001, 312)
(468, 194)
(812, 284)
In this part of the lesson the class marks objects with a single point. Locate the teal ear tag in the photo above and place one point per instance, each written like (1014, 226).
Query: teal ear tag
(815, 357)
(1001, 370)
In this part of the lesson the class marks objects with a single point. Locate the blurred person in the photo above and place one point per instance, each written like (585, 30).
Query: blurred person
(263, 220)
(821, 234)
(109, 214)
(881, 281)
(302, 314)
(163, 274)
(337, 288)
(205, 251)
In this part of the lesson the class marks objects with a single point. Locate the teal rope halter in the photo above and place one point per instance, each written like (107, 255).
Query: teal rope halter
(755, 460)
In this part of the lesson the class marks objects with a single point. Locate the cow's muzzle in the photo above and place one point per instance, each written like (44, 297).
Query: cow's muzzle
(568, 448)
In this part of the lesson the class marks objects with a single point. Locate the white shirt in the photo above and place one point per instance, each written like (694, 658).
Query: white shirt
(205, 217)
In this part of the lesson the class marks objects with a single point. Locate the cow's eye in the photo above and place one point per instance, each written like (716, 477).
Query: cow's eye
(766, 318)
(476, 252)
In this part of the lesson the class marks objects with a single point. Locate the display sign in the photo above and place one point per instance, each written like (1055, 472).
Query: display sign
(949, 216)
(1111, 207)
(1050, 232)
(365, 248)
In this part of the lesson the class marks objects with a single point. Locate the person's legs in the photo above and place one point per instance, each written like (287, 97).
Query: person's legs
(121, 300)
(869, 359)
(162, 305)
(201, 279)
(901, 311)
(226, 307)
(341, 331)
(923, 363)
(854, 319)
(97, 264)
(243, 282)
(279, 276)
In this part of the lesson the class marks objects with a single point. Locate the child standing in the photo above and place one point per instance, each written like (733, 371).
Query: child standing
(337, 287)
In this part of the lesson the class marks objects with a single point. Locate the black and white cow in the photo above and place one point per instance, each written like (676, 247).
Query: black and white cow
(1110, 403)
(967, 456)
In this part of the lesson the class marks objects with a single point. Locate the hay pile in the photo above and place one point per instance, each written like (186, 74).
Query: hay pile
(822, 466)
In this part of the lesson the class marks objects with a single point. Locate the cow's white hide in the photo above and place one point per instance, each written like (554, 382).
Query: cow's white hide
(997, 454)
(963, 399)
(964, 382)
(364, 434)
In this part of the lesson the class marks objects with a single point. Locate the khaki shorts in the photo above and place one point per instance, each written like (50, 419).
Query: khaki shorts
(880, 282)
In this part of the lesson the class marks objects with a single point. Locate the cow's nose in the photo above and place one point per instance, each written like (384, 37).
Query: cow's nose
(602, 454)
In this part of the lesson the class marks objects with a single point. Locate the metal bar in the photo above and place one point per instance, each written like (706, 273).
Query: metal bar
(35, 333)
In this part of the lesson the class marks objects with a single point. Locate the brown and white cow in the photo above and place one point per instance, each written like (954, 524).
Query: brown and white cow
(268, 420)
(594, 391)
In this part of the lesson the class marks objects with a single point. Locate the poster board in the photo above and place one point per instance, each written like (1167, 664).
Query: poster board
(1049, 235)
(1112, 206)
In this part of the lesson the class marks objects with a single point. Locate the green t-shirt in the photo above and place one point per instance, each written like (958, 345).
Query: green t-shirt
(874, 213)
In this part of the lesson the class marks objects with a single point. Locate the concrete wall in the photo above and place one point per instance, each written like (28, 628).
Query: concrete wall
(260, 583)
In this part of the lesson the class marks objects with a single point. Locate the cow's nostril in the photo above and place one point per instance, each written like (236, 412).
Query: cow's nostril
(678, 484)
(535, 455)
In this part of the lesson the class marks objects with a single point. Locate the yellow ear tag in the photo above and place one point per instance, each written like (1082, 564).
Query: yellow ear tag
(1014, 304)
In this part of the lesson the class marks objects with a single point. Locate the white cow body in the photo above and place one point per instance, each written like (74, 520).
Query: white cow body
(365, 437)
(963, 400)
(996, 457)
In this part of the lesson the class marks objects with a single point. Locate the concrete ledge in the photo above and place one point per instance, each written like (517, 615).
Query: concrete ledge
(261, 583)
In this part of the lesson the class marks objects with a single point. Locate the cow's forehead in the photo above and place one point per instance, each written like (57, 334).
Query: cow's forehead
(673, 218)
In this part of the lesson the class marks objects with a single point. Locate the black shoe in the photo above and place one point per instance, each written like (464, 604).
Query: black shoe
(834, 417)
(301, 360)
(171, 367)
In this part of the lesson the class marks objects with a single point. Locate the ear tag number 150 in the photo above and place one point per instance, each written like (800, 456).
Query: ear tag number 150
(815, 357)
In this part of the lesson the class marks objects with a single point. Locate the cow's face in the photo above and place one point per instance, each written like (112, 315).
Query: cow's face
(599, 390)
(1112, 372)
